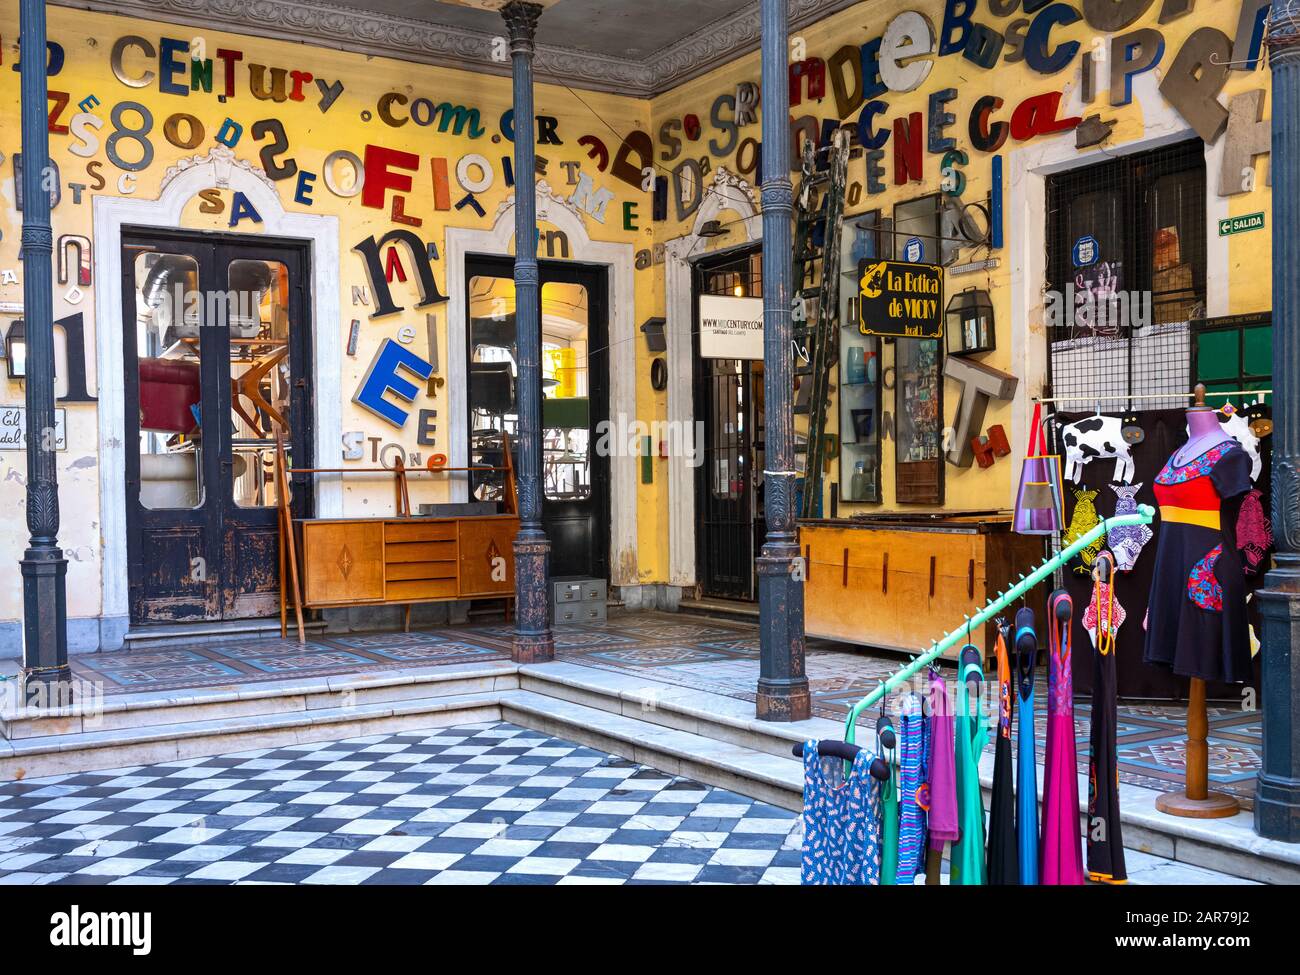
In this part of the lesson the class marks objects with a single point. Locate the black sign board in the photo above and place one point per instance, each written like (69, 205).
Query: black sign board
(900, 300)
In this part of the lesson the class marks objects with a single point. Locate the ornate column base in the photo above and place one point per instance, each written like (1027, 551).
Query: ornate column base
(1277, 792)
(47, 678)
(782, 684)
(534, 642)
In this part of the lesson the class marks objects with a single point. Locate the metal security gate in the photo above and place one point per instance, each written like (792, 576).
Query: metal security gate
(728, 400)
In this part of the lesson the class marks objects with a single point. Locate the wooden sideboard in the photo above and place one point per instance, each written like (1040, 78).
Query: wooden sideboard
(900, 584)
(404, 560)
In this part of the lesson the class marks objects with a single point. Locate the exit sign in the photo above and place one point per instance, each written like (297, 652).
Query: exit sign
(1241, 225)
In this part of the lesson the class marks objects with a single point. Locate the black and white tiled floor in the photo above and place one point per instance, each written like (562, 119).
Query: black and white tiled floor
(478, 804)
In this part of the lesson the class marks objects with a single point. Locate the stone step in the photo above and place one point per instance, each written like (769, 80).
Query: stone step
(118, 747)
(158, 708)
(157, 635)
(718, 763)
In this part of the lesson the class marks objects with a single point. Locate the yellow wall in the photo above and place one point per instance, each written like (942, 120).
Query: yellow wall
(1248, 270)
(350, 123)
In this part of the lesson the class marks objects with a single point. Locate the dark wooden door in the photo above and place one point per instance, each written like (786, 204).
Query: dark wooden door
(575, 404)
(216, 351)
(730, 525)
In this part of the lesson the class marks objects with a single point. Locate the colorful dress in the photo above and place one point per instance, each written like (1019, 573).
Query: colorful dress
(967, 867)
(943, 771)
(1127, 541)
(1196, 622)
(1061, 860)
(1254, 533)
(889, 823)
(913, 745)
(841, 820)
(1105, 843)
(1003, 861)
(1026, 746)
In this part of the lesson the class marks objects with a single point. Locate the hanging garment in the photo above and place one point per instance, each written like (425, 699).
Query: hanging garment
(942, 763)
(913, 744)
(1254, 533)
(1084, 519)
(1104, 614)
(967, 867)
(1196, 621)
(1003, 861)
(841, 820)
(1026, 645)
(1105, 843)
(889, 818)
(1127, 541)
(1061, 858)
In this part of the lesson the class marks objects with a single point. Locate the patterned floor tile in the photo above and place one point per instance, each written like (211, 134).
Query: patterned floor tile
(383, 839)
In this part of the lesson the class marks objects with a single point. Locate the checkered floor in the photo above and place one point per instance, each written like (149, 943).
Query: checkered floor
(479, 804)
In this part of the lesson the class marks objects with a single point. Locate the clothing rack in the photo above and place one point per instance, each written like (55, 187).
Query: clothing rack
(1144, 516)
(1118, 397)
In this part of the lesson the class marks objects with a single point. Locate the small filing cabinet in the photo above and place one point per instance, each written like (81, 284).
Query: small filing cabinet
(579, 599)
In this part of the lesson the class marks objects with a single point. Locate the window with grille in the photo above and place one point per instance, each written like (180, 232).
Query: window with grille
(1126, 275)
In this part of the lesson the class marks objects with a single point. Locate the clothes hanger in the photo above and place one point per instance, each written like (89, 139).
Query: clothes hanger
(833, 748)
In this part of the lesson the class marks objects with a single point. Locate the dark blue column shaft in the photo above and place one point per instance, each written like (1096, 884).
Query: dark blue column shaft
(45, 647)
(782, 685)
(1277, 794)
(533, 640)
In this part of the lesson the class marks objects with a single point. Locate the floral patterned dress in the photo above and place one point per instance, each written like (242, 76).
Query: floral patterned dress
(1196, 622)
(841, 821)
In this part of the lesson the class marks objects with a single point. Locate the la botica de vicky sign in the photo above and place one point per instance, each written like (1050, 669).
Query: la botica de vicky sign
(900, 300)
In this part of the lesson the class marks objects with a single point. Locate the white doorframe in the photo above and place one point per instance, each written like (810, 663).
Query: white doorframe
(218, 169)
(461, 244)
(727, 192)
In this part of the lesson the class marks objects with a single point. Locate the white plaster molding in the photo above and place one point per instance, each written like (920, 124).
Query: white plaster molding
(111, 214)
(460, 245)
(728, 192)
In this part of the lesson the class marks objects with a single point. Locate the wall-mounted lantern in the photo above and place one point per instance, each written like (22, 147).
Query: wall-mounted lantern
(16, 350)
(655, 339)
(970, 323)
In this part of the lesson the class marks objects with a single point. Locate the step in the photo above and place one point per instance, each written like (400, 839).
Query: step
(727, 766)
(145, 745)
(167, 635)
(123, 711)
(721, 609)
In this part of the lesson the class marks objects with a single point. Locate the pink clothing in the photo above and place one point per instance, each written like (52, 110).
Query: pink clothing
(1061, 858)
(943, 820)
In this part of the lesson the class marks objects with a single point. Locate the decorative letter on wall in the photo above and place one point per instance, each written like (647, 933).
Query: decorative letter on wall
(1194, 80)
(382, 378)
(909, 36)
(1249, 135)
(370, 249)
(979, 384)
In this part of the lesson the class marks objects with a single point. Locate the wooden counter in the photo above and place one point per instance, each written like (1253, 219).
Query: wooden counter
(902, 583)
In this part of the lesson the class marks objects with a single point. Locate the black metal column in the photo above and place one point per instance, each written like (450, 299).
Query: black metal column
(533, 639)
(1277, 793)
(782, 684)
(47, 679)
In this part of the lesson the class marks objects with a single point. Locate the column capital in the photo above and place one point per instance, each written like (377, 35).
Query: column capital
(521, 22)
(1283, 35)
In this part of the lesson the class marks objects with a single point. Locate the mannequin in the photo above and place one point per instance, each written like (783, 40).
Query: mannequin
(1196, 622)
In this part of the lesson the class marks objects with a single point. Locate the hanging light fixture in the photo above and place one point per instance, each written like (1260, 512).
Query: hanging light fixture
(970, 322)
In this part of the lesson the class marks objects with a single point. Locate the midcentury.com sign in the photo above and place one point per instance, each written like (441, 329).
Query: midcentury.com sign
(731, 328)
(900, 300)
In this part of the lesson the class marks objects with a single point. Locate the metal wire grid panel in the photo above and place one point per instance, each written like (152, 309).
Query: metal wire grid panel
(1126, 271)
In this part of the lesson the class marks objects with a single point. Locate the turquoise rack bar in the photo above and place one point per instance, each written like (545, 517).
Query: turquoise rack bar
(1144, 516)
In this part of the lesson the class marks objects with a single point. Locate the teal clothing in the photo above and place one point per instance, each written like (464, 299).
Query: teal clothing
(889, 831)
